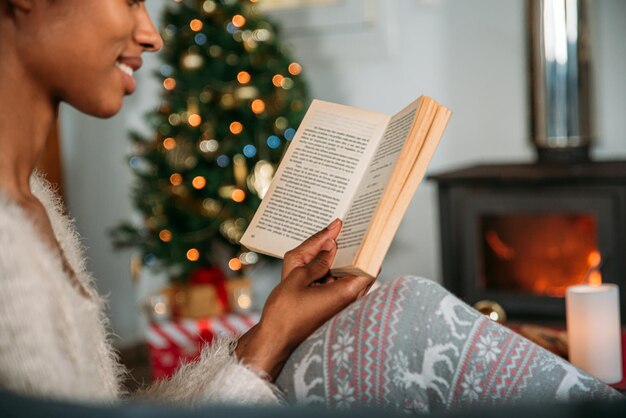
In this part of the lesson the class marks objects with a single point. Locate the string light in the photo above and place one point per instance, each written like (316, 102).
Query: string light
(174, 119)
(234, 264)
(169, 143)
(236, 128)
(273, 141)
(249, 150)
(196, 25)
(243, 77)
(294, 68)
(248, 258)
(277, 80)
(176, 179)
(289, 134)
(239, 20)
(281, 122)
(208, 145)
(286, 83)
(238, 195)
(258, 106)
(222, 161)
(165, 235)
(209, 6)
(169, 83)
(194, 120)
(193, 254)
(198, 182)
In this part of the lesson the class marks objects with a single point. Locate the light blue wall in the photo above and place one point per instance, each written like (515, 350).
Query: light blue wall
(470, 55)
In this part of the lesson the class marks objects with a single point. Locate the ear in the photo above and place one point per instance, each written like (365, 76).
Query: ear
(21, 5)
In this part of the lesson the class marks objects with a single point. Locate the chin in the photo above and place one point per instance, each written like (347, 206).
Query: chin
(104, 109)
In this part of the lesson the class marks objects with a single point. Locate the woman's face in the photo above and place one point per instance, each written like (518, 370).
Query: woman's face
(84, 52)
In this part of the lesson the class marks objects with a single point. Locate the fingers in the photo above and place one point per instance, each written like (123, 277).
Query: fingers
(305, 252)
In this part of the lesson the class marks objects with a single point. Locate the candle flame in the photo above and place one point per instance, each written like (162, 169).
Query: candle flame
(594, 259)
(595, 278)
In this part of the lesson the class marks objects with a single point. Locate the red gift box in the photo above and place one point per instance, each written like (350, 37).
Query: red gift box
(173, 342)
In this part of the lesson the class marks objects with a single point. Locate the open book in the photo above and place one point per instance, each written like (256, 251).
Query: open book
(360, 166)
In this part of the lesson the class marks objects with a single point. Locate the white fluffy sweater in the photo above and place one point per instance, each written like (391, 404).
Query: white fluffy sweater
(53, 340)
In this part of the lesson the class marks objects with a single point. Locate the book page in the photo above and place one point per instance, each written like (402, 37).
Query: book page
(317, 178)
(373, 185)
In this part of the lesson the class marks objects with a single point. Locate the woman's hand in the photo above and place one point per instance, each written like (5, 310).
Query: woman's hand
(305, 299)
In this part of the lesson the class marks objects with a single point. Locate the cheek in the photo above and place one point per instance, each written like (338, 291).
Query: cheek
(94, 86)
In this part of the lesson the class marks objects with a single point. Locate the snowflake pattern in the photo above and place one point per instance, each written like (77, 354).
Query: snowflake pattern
(345, 394)
(399, 365)
(548, 365)
(471, 386)
(488, 348)
(343, 348)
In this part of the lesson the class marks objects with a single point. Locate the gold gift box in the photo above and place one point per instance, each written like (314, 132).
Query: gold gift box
(201, 300)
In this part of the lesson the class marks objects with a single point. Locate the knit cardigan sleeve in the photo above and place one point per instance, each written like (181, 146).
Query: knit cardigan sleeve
(217, 377)
(51, 348)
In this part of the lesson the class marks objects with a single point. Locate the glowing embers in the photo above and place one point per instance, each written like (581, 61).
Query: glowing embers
(540, 254)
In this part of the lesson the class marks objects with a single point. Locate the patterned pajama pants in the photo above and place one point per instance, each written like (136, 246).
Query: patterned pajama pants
(412, 345)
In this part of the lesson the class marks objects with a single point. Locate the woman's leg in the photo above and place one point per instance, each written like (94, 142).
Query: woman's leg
(413, 345)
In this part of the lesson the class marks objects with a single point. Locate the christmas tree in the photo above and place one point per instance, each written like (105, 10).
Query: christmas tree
(231, 101)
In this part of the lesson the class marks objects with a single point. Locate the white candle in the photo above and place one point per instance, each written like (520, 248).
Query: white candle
(594, 331)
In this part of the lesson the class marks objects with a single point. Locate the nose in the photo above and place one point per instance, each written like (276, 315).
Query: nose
(145, 33)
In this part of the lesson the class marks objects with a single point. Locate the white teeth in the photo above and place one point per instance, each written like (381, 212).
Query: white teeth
(124, 68)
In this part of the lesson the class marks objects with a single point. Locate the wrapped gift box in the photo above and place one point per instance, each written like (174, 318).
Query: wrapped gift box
(172, 342)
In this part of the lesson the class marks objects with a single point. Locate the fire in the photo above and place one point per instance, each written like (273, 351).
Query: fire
(540, 254)
(594, 259)
(595, 278)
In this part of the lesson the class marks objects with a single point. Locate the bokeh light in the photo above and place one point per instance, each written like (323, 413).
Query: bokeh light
(277, 80)
(273, 142)
(294, 68)
(198, 182)
(236, 128)
(243, 77)
(222, 161)
(169, 143)
(249, 150)
(234, 264)
(194, 120)
(289, 134)
(258, 106)
(193, 254)
(239, 20)
(196, 25)
(165, 235)
(238, 195)
(176, 179)
(169, 83)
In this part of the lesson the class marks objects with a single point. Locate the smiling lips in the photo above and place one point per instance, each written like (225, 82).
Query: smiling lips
(128, 65)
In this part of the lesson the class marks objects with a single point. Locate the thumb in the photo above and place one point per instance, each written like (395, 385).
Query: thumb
(319, 266)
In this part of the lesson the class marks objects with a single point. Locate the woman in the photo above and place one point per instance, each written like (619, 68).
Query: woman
(53, 333)
(84, 52)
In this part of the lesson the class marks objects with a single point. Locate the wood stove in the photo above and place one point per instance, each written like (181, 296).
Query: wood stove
(520, 234)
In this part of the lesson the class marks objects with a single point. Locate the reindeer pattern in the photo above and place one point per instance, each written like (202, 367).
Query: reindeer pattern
(412, 345)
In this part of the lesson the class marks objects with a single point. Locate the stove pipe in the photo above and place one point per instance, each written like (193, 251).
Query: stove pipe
(560, 79)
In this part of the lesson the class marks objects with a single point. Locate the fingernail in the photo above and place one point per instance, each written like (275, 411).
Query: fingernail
(334, 224)
(329, 244)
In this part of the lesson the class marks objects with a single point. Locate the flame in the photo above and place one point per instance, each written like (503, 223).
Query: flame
(594, 259)
(498, 246)
(595, 278)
